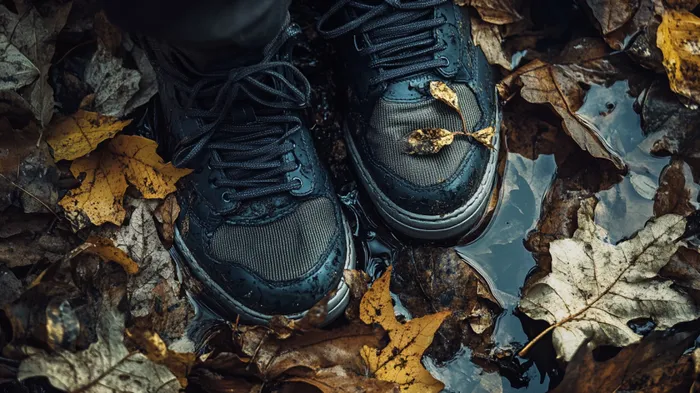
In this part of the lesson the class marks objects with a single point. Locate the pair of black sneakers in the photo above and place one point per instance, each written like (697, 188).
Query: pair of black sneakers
(261, 227)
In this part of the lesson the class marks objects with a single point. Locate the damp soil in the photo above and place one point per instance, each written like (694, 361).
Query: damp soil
(501, 249)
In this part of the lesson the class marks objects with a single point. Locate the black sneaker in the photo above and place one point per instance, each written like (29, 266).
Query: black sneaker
(392, 51)
(261, 228)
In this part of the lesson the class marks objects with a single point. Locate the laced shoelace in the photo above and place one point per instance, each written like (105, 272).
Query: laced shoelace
(401, 34)
(244, 125)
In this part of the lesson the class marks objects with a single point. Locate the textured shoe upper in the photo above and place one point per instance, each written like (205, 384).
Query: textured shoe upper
(393, 51)
(259, 215)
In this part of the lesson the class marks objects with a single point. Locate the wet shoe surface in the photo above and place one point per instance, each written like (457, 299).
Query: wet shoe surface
(261, 228)
(391, 52)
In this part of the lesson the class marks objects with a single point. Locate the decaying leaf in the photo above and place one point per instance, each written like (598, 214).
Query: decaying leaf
(79, 134)
(337, 380)
(400, 360)
(429, 279)
(107, 251)
(428, 141)
(167, 214)
(678, 38)
(485, 136)
(100, 196)
(654, 365)
(114, 84)
(498, 12)
(677, 191)
(440, 91)
(595, 288)
(16, 70)
(105, 366)
(612, 14)
(558, 86)
(155, 349)
(489, 39)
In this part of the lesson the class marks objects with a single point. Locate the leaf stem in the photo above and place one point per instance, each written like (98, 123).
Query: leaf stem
(464, 123)
(523, 352)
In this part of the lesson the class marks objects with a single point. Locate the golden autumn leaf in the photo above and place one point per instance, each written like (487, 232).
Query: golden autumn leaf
(107, 173)
(400, 360)
(428, 141)
(107, 251)
(485, 136)
(157, 351)
(78, 134)
(678, 37)
(440, 91)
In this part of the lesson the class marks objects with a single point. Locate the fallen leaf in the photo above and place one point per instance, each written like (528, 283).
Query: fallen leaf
(400, 361)
(106, 365)
(612, 14)
(429, 279)
(654, 365)
(498, 12)
(16, 70)
(167, 213)
(114, 85)
(488, 37)
(637, 37)
(100, 196)
(678, 38)
(154, 289)
(485, 136)
(358, 282)
(109, 36)
(428, 141)
(155, 349)
(442, 92)
(79, 134)
(30, 239)
(688, 5)
(684, 270)
(595, 288)
(10, 286)
(676, 191)
(558, 86)
(108, 252)
(337, 380)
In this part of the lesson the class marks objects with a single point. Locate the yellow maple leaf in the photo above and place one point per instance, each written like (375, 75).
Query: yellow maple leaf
(78, 134)
(400, 361)
(678, 37)
(126, 158)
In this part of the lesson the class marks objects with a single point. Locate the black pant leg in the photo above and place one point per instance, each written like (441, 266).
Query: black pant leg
(201, 24)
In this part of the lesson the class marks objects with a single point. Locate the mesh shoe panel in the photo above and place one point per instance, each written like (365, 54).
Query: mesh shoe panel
(392, 121)
(282, 250)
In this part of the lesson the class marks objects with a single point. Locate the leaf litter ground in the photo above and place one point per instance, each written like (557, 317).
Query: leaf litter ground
(595, 136)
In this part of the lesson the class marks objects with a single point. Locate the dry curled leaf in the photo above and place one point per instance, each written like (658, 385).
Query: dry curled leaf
(79, 134)
(678, 37)
(488, 37)
(499, 12)
(595, 288)
(440, 91)
(167, 213)
(400, 361)
(428, 141)
(107, 251)
(106, 366)
(612, 14)
(485, 136)
(557, 85)
(106, 172)
(156, 350)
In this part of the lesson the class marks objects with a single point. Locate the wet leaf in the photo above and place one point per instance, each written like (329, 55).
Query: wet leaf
(498, 12)
(488, 37)
(400, 360)
(684, 270)
(676, 190)
(338, 380)
(79, 134)
(167, 213)
(428, 141)
(442, 92)
(558, 86)
(156, 350)
(429, 279)
(114, 85)
(154, 290)
(678, 38)
(108, 252)
(612, 14)
(106, 366)
(16, 70)
(595, 288)
(485, 136)
(654, 365)
(126, 158)
(357, 281)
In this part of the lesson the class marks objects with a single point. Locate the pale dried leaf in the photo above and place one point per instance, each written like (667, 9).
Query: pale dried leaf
(595, 288)
(114, 85)
(106, 366)
(16, 70)
(428, 141)
(612, 14)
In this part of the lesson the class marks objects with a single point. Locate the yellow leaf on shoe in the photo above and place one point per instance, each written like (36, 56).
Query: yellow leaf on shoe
(126, 158)
(678, 37)
(400, 361)
(428, 141)
(76, 135)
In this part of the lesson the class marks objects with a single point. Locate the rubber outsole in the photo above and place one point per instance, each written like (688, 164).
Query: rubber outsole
(429, 227)
(218, 301)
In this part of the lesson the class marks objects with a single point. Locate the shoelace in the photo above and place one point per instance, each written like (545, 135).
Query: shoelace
(401, 32)
(245, 128)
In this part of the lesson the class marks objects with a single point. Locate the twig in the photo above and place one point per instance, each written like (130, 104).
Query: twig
(30, 194)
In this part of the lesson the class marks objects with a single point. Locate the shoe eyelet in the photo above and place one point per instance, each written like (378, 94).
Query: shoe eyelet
(226, 196)
(298, 180)
(445, 60)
